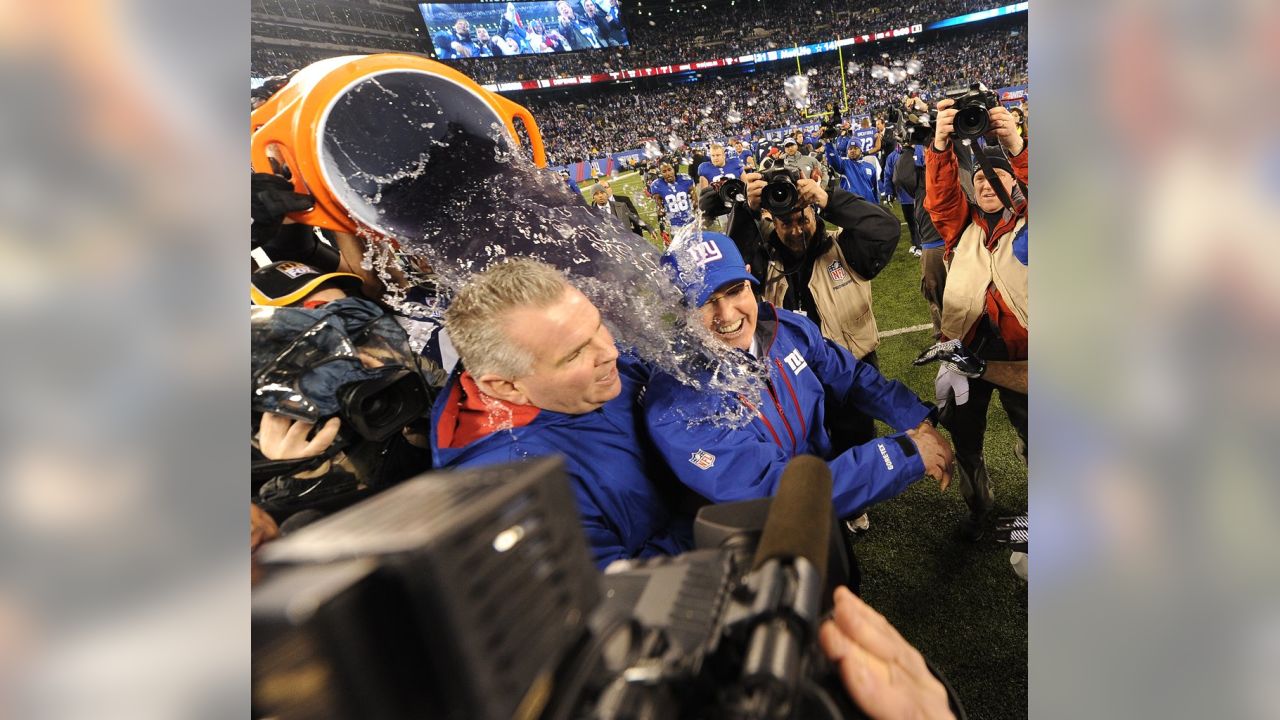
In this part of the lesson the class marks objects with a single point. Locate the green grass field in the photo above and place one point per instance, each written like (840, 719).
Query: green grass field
(958, 602)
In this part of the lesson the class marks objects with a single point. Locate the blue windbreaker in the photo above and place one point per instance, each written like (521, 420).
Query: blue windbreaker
(607, 455)
(728, 464)
(861, 177)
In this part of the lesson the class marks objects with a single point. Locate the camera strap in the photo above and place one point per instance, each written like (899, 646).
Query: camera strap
(990, 173)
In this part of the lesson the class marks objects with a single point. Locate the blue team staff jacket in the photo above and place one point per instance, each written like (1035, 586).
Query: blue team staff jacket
(725, 464)
(613, 469)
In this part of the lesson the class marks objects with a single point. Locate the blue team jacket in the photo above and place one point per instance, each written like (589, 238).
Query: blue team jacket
(727, 464)
(613, 469)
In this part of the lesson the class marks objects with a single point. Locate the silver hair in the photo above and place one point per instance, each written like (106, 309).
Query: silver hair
(477, 317)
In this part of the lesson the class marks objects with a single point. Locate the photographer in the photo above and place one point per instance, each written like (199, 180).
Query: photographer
(342, 396)
(984, 304)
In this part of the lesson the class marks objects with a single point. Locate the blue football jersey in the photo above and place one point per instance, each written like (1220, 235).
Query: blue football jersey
(676, 197)
(732, 169)
(866, 139)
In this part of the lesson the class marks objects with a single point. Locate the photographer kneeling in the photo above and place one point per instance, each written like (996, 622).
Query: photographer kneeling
(984, 304)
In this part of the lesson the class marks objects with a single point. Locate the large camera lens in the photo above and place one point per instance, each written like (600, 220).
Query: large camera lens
(780, 196)
(971, 122)
(378, 408)
(733, 191)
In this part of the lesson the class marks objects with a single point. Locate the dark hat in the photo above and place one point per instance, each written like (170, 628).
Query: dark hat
(285, 283)
(996, 157)
(705, 264)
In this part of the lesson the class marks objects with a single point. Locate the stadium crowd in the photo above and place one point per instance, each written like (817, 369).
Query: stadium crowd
(368, 370)
(618, 118)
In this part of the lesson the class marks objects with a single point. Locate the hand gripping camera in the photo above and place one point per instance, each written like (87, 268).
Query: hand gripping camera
(972, 105)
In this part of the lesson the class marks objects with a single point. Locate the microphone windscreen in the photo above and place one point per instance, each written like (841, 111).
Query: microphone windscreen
(799, 521)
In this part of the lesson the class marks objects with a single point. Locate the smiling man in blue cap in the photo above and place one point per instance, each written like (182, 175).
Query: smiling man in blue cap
(725, 464)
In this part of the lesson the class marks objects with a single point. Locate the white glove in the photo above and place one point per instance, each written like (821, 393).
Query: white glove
(950, 382)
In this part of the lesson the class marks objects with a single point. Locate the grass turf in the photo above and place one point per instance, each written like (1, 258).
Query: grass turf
(959, 603)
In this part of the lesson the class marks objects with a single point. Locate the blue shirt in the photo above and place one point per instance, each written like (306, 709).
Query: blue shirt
(861, 178)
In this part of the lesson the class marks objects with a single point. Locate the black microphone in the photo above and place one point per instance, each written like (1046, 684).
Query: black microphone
(786, 581)
(799, 521)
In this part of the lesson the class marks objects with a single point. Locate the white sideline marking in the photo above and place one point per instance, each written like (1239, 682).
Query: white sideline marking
(905, 330)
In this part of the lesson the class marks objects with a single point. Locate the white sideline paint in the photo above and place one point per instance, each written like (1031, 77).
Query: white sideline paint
(905, 330)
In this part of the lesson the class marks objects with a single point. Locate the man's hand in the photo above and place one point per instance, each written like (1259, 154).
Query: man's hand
(1006, 128)
(955, 357)
(261, 527)
(883, 673)
(283, 438)
(810, 190)
(755, 188)
(935, 451)
(945, 125)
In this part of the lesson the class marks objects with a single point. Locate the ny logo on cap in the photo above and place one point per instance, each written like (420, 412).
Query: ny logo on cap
(706, 251)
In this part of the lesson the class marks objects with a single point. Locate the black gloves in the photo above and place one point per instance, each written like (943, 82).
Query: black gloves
(271, 198)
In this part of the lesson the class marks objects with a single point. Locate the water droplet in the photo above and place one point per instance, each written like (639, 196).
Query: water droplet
(879, 72)
(914, 66)
(652, 150)
(897, 75)
(733, 117)
(812, 72)
(720, 92)
(674, 142)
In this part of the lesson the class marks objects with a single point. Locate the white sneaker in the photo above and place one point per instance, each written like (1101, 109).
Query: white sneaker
(916, 251)
(860, 524)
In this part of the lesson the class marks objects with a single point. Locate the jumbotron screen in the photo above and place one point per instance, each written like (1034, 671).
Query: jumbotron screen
(496, 29)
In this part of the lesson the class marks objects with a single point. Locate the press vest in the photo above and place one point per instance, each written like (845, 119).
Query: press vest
(843, 298)
(972, 270)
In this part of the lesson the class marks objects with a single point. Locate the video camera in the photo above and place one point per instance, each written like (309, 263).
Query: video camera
(972, 104)
(470, 594)
(781, 193)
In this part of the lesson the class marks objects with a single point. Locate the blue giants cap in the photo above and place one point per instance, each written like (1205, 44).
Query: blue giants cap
(704, 264)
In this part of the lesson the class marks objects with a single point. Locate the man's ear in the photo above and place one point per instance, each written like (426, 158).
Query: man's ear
(504, 389)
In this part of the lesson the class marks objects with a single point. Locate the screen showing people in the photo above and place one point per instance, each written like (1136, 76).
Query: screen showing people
(467, 30)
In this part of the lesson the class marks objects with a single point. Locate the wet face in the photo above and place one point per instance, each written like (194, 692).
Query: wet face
(986, 196)
(575, 368)
(668, 173)
(795, 229)
(717, 156)
(730, 314)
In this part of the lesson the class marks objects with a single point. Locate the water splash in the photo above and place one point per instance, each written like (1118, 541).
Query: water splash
(914, 66)
(441, 203)
(733, 117)
(879, 72)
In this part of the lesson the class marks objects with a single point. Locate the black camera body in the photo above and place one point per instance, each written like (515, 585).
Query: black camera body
(918, 129)
(781, 194)
(972, 104)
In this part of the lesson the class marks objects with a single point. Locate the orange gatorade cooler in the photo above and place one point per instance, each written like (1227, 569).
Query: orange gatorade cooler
(379, 139)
